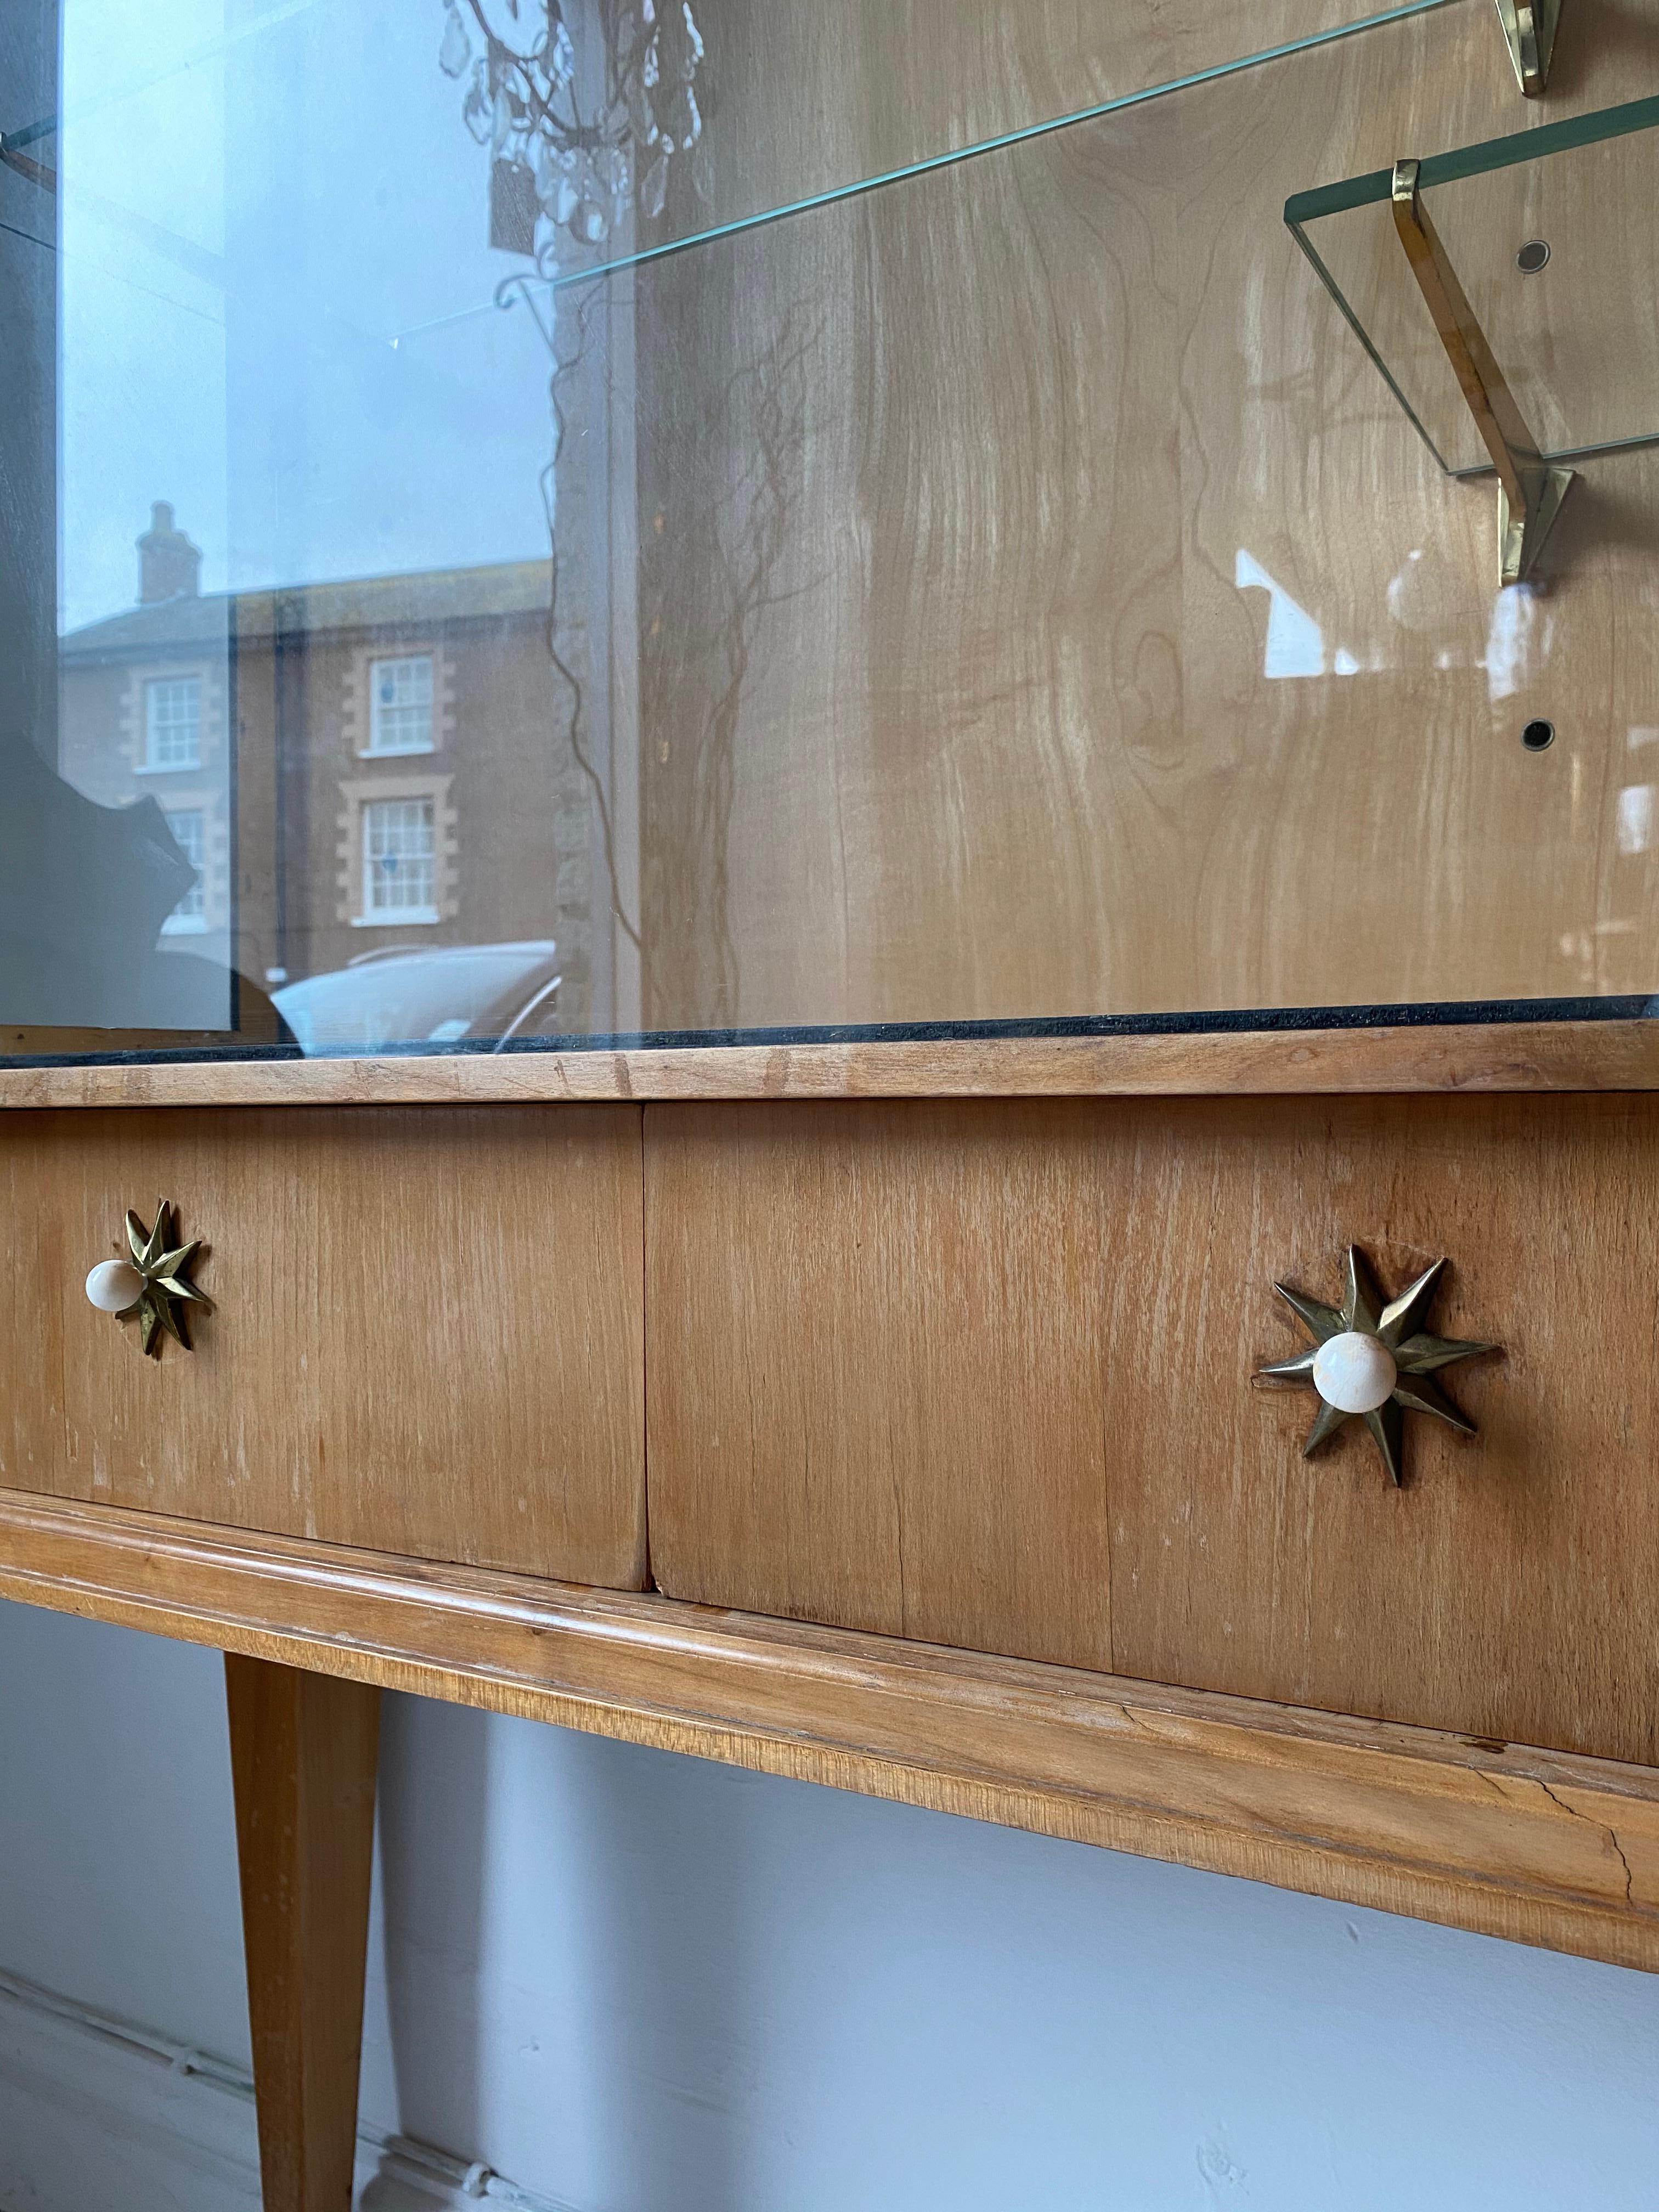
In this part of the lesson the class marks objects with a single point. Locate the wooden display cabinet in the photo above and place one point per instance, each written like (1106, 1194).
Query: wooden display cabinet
(1002, 831)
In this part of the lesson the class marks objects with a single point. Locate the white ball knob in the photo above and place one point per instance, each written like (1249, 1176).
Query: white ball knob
(113, 1286)
(1354, 1372)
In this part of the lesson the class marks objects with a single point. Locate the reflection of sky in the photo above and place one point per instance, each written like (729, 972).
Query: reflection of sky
(1295, 643)
(257, 196)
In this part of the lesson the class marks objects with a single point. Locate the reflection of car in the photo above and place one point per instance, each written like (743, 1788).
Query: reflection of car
(435, 995)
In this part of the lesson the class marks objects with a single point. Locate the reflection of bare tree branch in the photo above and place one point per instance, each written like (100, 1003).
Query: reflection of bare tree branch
(564, 365)
(521, 67)
(741, 537)
(768, 400)
(636, 60)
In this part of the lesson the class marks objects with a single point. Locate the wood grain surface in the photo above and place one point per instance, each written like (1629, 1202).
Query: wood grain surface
(1047, 608)
(1537, 1847)
(877, 1383)
(926, 77)
(1512, 1588)
(1509, 1056)
(304, 1751)
(904, 1360)
(426, 1335)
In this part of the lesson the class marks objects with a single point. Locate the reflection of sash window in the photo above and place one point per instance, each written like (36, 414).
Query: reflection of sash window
(187, 825)
(399, 859)
(400, 711)
(172, 723)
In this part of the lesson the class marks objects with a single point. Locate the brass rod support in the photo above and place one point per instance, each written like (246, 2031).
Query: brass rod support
(1529, 492)
(36, 172)
(1529, 34)
(1497, 417)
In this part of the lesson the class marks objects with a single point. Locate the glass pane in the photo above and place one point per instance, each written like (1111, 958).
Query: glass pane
(1554, 237)
(1005, 594)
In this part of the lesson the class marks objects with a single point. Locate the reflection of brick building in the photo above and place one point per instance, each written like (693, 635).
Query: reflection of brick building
(400, 776)
(144, 710)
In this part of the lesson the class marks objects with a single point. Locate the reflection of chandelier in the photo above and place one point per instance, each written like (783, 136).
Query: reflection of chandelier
(567, 162)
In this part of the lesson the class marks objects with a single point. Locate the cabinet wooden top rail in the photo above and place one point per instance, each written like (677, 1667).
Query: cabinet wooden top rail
(1482, 1056)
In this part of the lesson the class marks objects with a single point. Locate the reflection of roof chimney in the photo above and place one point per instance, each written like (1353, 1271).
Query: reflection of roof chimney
(169, 566)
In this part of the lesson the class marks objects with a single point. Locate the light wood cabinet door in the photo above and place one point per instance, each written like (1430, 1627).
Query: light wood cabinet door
(426, 1335)
(984, 1374)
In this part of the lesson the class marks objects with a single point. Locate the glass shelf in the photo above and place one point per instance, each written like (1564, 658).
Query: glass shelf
(1554, 235)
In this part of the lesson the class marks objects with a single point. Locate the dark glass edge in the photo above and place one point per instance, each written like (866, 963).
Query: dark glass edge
(1644, 443)
(1451, 1013)
(1534, 145)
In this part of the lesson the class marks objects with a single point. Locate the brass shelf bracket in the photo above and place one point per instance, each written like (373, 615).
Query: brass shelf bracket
(1529, 34)
(12, 155)
(1530, 491)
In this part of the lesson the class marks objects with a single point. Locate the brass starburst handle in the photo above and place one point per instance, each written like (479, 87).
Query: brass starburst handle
(154, 1286)
(1373, 1360)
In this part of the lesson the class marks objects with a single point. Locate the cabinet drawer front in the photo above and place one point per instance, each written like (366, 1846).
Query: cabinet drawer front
(985, 1373)
(425, 1334)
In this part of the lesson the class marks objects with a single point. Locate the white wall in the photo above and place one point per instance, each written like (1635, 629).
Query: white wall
(636, 1983)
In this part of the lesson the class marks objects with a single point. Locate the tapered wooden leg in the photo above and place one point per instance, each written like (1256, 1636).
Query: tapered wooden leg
(303, 1748)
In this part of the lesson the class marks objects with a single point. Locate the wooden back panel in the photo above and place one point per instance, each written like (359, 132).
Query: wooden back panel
(797, 100)
(1046, 608)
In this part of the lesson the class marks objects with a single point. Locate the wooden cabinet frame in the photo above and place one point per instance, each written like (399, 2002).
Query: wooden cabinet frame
(1534, 1846)
(1193, 1062)
(1531, 1844)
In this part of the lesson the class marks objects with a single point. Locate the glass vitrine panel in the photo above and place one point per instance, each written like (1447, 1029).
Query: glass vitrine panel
(934, 557)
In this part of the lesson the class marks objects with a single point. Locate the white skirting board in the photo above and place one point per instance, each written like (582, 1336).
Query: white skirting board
(102, 2115)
